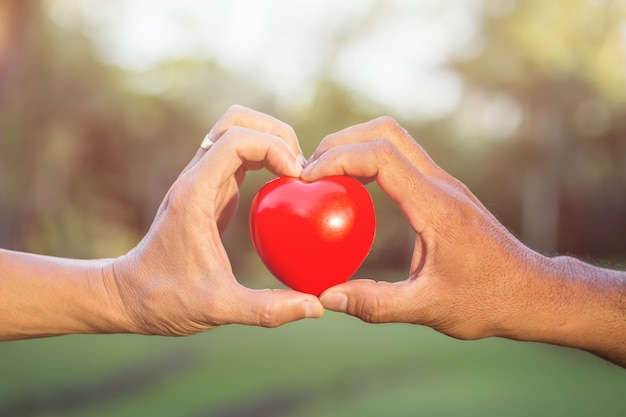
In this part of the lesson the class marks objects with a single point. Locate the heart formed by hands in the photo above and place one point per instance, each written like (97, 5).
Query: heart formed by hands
(312, 235)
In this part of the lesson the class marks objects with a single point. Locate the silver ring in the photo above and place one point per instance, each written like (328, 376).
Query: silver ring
(207, 142)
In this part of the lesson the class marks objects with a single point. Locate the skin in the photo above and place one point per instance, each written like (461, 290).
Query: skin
(178, 280)
(469, 277)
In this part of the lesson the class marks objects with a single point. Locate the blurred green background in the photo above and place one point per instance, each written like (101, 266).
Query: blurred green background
(103, 103)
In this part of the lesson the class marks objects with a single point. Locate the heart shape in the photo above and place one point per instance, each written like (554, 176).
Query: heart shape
(312, 235)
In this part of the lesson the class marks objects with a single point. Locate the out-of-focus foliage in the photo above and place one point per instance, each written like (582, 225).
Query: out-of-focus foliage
(86, 154)
(87, 151)
(557, 69)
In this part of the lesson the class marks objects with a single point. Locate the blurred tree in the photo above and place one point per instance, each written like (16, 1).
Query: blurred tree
(13, 21)
(561, 65)
(84, 158)
(87, 151)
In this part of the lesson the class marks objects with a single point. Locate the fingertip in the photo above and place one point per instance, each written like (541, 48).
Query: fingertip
(371, 301)
(334, 301)
(275, 307)
(297, 169)
(307, 172)
(297, 306)
(313, 309)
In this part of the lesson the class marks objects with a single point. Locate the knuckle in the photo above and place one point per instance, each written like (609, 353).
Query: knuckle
(269, 317)
(460, 201)
(383, 146)
(386, 121)
(387, 125)
(283, 131)
(232, 136)
(370, 310)
(459, 186)
(235, 129)
(287, 130)
(455, 209)
(236, 108)
(384, 151)
(231, 117)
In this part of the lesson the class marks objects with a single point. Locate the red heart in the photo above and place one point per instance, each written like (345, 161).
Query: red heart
(312, 235)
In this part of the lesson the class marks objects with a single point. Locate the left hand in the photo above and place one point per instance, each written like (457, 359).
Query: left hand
(178, 280)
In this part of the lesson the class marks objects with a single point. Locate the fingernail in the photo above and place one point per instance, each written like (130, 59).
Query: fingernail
(310, 163)
(298, 167)
(313, 310)
(308, 167)
(302, 161)
(335, 301)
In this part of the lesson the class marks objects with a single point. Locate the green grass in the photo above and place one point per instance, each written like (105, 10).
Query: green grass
(333, 366)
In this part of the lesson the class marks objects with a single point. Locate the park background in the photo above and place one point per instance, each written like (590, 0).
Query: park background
(103, 103)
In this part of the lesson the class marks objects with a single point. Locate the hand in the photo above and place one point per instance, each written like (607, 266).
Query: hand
(178, 280)
(467, 270)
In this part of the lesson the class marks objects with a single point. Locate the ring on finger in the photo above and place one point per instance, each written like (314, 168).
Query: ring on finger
(207, 142)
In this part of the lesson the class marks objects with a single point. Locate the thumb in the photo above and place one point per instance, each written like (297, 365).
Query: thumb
(371, 301)
(272, 307)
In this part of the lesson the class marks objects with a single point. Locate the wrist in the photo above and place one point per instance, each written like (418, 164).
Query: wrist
(47, 296)
(108, 314)
(562, 301)
(111, 311)
(518, 297)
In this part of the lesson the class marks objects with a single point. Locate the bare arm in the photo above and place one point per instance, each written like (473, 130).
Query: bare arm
(46, 296)
(469, 277)
(575, 304)
(178, 279)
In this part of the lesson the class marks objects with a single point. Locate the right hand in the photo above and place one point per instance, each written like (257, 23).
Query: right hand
(467, 273)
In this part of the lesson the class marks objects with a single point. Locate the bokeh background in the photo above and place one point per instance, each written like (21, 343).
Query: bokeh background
(103, 103)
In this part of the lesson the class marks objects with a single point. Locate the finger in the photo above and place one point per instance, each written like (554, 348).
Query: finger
(358, 159)
(249, 148)
(272, 308)
(372, 302)
(379, 159)
(387, 128)
(242, 116)
(422, 198)
(381, 128)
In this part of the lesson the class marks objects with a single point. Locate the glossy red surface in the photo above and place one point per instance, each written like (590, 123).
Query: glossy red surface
(312, 236)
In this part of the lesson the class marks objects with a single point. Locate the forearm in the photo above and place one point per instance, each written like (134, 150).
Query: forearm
(46, 296)
(575, 304)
